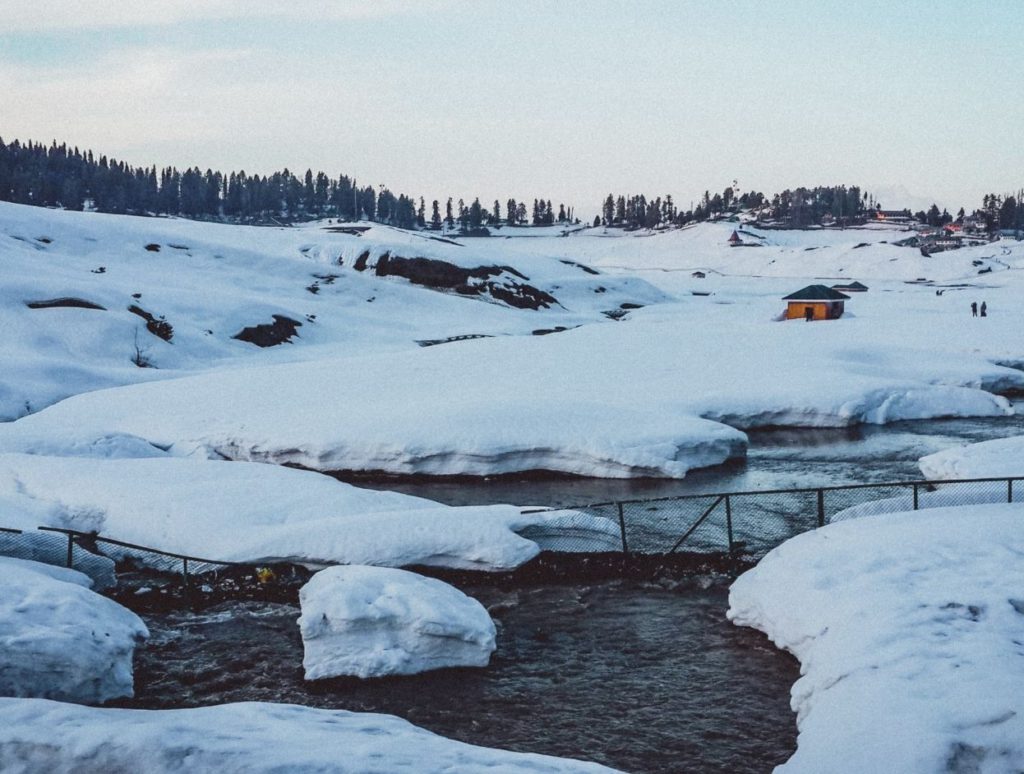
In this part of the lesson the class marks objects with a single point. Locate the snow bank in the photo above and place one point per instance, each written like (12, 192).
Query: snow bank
(943, 496)
(908, 628)
(38, 735)
(60, 640)
(247, 512)
(988, 459)
(376, 621)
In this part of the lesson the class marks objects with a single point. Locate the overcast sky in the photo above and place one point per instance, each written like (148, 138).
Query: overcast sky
(569, 100)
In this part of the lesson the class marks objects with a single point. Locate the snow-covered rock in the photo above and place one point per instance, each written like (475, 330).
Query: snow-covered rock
(908, 627)
(245, 512)
(376, 621)
(988, 459)
(60, 640)
(254, 738)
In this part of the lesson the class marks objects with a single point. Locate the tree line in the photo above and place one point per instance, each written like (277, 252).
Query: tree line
(62, 176)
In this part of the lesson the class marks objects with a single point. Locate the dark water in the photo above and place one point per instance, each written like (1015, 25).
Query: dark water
(777, 459)
(644, 677)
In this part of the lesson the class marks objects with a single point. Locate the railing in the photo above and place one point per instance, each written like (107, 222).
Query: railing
(740, 524)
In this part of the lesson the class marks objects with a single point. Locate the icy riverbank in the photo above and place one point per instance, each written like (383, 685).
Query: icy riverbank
(908, 629)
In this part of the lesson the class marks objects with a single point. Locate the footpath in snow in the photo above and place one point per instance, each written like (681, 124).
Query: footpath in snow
(909, 628)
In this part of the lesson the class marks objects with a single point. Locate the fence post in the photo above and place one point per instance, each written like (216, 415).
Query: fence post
(622, 530)
(915, 497)
(71, 550)
(821, 507)
(728, 520)
(1009, 490)
(184, 573)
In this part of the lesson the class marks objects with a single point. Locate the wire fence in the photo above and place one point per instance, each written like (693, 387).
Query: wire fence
(738, 524)
(753, 522)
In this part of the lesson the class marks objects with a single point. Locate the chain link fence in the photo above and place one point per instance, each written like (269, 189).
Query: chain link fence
(735, 524)
(752, 523)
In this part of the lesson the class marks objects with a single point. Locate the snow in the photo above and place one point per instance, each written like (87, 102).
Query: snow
(667, 388)
(377, 621)
(253, 513)
(908, 628)
(60, 640)
(988, 459)
(37, 735)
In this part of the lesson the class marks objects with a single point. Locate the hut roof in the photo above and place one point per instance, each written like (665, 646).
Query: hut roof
(735, 237)
(850, 286)
(816, 293)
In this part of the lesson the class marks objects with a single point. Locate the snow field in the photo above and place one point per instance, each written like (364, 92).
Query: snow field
(908, 628)
(374, 621)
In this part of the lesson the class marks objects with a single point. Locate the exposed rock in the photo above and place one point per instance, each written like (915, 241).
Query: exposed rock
(158, 326)
(153, 247)
(270, 335)
(67, 301)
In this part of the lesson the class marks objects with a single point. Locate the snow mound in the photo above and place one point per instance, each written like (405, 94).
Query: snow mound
(988, 459)
(908, 628)
(254, 738)
(245, 512)
(376, 621)
(942, 496)
(59, 640)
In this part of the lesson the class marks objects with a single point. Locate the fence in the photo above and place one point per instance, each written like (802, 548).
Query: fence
(746, 524)
(753, 522)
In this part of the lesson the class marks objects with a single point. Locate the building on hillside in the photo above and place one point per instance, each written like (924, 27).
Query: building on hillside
(851, 287)
(815, 302)
(698, 275)
(734, 240)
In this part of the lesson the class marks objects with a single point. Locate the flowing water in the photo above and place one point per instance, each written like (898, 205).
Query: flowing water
(645, 677)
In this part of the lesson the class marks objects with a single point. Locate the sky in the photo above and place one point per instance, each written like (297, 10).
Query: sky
(566, 100)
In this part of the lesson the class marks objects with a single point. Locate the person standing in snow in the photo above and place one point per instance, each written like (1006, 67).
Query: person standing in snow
(984, 309)
(974, 308)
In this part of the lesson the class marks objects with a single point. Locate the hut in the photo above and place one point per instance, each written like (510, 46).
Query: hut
(851, 287)
(815, 302)
(698, 275)
(734, 240)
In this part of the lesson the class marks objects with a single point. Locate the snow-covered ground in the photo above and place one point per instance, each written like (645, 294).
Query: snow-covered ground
(988, 459)
(59, 639)
(661, 391)
(908, 627)
(377, 621)
(38, 735)
(261, 513)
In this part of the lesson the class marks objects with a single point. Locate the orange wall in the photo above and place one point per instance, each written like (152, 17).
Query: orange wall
(795, 310)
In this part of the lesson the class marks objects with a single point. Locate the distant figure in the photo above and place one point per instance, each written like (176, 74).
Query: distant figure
(984, 309)
(808, 313)
(974, 308)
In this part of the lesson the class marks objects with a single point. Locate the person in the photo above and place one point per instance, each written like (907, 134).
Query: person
(984, 309)
(974, 308)
(808, 313)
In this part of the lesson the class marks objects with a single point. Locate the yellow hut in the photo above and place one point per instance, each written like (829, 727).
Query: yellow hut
(815, 302)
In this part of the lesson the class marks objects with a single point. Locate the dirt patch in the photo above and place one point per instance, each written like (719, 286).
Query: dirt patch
(158, 326)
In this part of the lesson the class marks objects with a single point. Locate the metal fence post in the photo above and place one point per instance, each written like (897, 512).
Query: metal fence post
(728, 520)
(1009, 490)
(71, 550)
(821, 507)
(622, 530)
(915, 497)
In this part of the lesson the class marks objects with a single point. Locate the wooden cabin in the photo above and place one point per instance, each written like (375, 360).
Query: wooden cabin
(851, 287)
(698, 275)
(734, 240)
(815, 302)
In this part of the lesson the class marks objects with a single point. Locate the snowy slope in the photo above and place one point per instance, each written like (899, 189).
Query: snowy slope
(1001, 457)
(209, 282)
(253, 738)
(908, 628)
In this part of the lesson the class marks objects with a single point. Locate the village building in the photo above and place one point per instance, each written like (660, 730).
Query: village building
(698, 275)
(734, 240)
(851, 287)
(815, 302)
